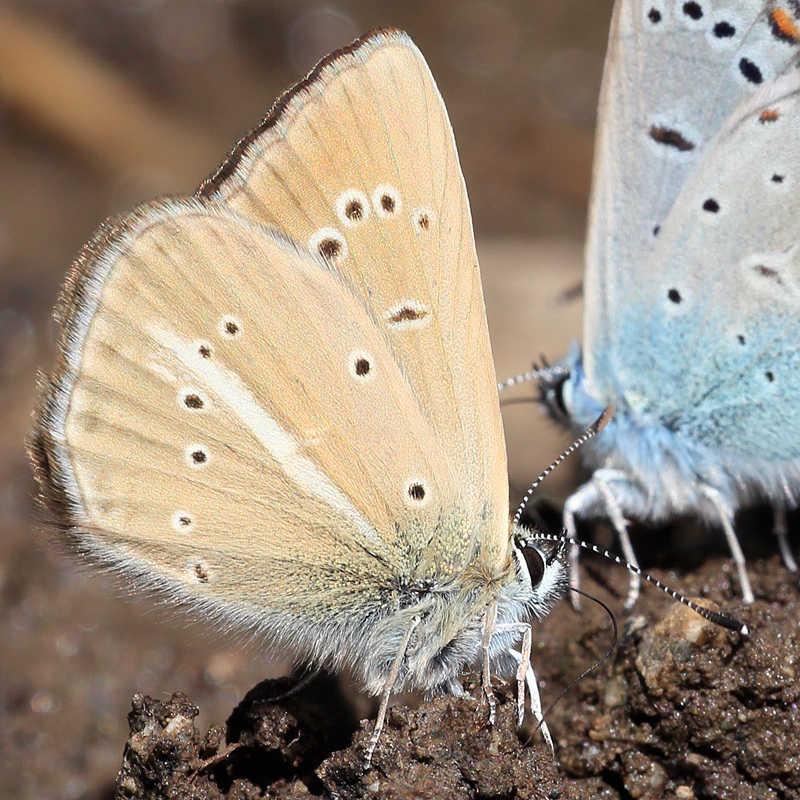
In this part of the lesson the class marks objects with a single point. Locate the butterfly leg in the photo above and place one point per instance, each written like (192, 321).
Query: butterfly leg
(536, 706)
(529, 679)
(597, 496)
(523, 657)
(780, 530)
(575, 505)
(604, 477)
(387, 692)
(525, 660)
(488, 633)
(726, 520)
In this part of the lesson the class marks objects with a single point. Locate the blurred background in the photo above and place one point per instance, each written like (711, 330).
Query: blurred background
(104, 103)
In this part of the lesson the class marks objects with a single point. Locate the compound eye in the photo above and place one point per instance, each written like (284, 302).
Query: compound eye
(558, 395)
(535, 562)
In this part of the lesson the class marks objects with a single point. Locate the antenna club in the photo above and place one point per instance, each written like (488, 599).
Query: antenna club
(723, 620)
(605, 418)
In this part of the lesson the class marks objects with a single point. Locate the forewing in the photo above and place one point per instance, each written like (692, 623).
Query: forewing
(359, 163)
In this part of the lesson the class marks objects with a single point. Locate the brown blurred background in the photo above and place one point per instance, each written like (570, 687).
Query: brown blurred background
(107, 102)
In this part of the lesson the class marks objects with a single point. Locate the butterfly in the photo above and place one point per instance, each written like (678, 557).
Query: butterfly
(692, 282)
(275, 401)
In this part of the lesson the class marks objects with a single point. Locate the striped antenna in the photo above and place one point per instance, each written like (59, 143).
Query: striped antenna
(545, 374)
(712, 616)
(590, 433)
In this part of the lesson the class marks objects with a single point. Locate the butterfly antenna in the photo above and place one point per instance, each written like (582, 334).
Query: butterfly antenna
(712, 616)
(590, 433)
(546, 374)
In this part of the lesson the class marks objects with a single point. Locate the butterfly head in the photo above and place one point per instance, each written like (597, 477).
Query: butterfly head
(573, 399)
(545, 567)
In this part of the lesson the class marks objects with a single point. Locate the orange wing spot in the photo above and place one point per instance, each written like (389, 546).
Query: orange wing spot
(783, 26)
(769, 115)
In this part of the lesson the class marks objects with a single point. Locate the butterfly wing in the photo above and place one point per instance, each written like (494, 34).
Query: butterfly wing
(359, 163)
(722, 290)
(220, 419)
(675, 72)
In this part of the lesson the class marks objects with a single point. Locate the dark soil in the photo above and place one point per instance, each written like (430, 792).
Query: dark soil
(682, 709)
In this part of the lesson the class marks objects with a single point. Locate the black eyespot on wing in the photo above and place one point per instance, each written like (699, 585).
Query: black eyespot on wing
(656, 230)
(408, 314)
(693, 10)
(724, 30)
(200, 573)
(229, 327)
(330, 249)
(674, 295)
(199, 457)
(750, 71)
(204, 351)
(770, 376)
(764, 271)
(416, 492)
(362, 366)
(741, 338)
(193, 401)
(354, 210)
(654, 15)
(535, 563)
(711, 205)
(670, 138)
(776, 178)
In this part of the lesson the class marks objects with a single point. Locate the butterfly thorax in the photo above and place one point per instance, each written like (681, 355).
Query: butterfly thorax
(658, 468)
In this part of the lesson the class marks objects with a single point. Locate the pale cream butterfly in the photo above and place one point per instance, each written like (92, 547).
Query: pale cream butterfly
(275, 400)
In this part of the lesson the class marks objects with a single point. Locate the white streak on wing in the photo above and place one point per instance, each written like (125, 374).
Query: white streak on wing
(164, 372)
(280, 444)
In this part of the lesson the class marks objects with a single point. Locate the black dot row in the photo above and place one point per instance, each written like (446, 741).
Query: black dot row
(783, 29)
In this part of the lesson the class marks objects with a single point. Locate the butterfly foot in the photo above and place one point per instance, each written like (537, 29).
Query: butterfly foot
(536, 705)
(634, 587)
(748, 598)
(491, 701)
(373, 743)
(215, 759)
(782, 535)
(573, 559)
(725, 512)
(574, 579)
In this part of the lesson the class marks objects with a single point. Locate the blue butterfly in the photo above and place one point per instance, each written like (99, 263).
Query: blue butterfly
(692, 282)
